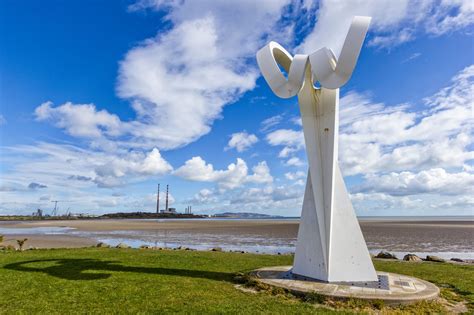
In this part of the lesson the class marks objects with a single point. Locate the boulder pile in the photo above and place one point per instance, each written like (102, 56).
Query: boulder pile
(386, 255)
(412, 257)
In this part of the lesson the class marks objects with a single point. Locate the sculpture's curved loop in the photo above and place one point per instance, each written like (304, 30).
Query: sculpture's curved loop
(331, 72)
(268, 59)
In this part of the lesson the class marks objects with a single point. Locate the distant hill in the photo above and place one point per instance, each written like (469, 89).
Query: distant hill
(246, 215)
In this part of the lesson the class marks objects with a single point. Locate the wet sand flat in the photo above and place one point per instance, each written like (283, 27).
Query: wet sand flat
(422, 236)
(449, 236)
(287, 228)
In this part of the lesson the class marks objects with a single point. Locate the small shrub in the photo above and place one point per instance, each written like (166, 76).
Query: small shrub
(21, 243)
(1, 238)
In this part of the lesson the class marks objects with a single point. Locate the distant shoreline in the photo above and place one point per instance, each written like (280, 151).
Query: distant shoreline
(154, 216)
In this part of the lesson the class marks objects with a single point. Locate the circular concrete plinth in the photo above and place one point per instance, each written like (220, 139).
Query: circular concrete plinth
(391, 288)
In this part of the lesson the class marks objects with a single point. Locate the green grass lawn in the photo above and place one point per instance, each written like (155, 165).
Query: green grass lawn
(100, 280)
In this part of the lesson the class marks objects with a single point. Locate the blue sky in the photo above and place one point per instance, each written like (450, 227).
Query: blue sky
(100, 101)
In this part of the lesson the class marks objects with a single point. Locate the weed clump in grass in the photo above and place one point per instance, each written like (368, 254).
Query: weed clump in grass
(249, 281)
(278, 291)
(449, 295)
(378, 304)
(422, 307)
(315, 298)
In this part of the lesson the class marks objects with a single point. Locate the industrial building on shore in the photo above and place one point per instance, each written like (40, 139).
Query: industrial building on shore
(167, 209)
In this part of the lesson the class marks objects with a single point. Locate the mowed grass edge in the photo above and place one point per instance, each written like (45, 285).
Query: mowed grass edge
(100, 280)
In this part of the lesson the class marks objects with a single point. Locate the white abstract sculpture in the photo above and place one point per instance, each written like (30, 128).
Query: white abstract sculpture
(330, 244)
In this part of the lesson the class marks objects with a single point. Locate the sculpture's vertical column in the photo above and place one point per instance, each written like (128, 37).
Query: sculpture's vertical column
(319, 110)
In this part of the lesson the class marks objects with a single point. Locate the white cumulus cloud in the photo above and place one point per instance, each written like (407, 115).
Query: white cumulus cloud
(69, 166)
(294, 161)
(378, 138)
(393, 22)
(434, 181)
(292, 140)
(80, 120)
(295, 175)
(242, 141)
(236, 174)
(180, 80)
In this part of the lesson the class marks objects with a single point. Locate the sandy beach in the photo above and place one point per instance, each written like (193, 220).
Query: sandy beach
(50, 241)
(252, 235)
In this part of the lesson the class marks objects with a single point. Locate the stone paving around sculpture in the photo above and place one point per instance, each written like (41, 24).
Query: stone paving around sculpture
(391, 288)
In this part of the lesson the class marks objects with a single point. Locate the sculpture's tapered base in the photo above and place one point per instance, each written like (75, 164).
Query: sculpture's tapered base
(348, 256)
